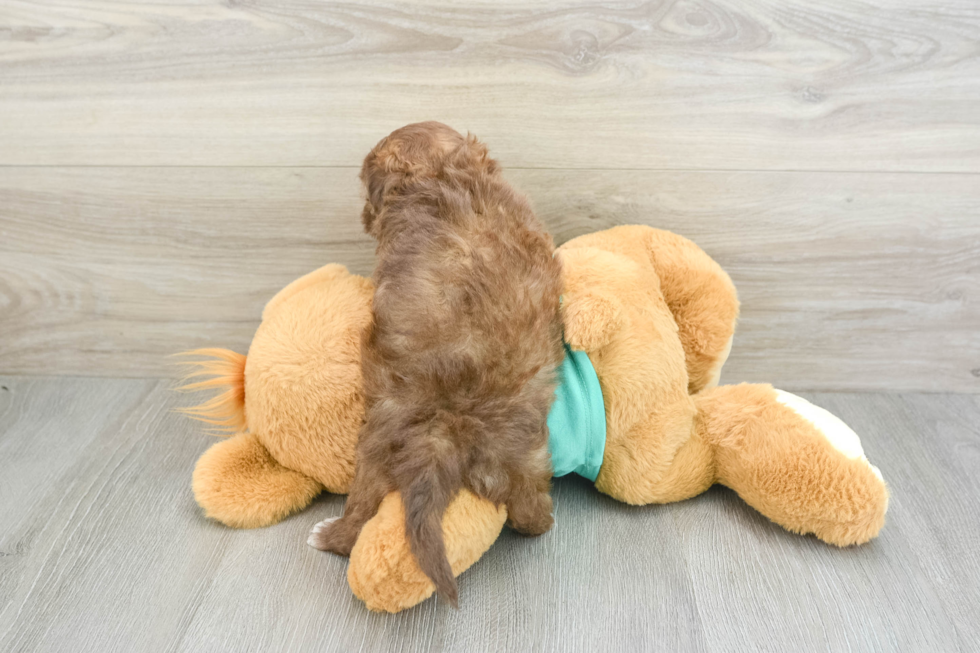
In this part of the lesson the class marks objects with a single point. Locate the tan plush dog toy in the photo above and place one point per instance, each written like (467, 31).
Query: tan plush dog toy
(655, 316)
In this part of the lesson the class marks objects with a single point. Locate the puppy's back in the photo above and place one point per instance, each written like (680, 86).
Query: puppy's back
(460, 363)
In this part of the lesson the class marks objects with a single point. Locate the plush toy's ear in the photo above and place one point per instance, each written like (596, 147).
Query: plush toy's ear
(591, 320)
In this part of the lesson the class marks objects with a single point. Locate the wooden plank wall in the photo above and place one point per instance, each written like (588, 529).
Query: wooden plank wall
(166, 167)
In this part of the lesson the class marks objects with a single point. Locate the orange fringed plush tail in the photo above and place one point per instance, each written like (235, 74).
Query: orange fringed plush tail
(237, 481)
(226, 369)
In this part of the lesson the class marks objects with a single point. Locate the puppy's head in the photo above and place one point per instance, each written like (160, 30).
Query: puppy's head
(419, 150)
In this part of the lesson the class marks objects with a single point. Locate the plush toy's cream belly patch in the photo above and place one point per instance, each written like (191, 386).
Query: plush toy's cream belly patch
(577, 421)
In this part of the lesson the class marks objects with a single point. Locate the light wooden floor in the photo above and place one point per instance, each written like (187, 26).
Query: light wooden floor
(103, 549)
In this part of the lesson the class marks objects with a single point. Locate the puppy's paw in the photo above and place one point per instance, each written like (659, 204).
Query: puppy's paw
(328, 536)
(531, 516)
(533, 528)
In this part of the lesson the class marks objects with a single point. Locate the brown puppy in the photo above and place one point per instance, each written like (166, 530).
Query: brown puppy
(460, 364)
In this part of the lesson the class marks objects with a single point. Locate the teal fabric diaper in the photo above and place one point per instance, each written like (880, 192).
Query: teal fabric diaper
(577, 421)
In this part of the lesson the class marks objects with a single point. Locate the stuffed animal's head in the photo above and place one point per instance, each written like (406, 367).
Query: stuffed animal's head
(303, 374)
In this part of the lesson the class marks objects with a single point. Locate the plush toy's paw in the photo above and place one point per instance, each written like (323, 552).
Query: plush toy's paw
(239, 483)
(333, 535)
(591, 320)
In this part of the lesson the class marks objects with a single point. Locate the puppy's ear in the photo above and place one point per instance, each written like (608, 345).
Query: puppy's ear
(397, 156)
(375, 176)
(471, 154)
(368, 216)
(476, 149)
(374, 186)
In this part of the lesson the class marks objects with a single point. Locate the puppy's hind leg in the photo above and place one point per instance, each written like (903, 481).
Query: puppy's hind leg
(529, 504)
(338, 535)
(529, 512)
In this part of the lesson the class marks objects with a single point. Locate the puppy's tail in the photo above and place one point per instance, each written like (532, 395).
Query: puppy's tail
(426, 500)
(226, 370)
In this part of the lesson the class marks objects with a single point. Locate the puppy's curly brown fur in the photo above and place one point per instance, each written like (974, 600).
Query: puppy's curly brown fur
(460, 363)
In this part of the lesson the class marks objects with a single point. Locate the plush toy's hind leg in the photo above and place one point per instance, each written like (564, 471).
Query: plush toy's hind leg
(795, 463)
(238, 483)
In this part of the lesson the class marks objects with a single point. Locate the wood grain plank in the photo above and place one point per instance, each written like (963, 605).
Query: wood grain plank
(99, 519)
(721, 84)
(103, 549)
(932, 463)
(120, 268)
(848, 281)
